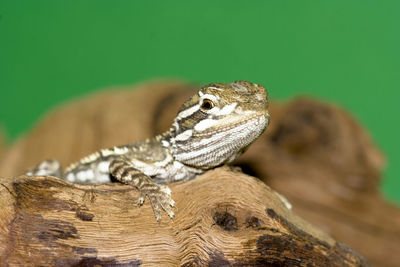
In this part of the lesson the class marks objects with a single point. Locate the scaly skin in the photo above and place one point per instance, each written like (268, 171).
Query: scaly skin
(212, 128)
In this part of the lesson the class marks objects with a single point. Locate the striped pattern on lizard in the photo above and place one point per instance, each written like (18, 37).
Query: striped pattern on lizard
(212, 128)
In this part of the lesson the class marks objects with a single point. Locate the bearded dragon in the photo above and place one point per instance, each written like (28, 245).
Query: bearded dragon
(212, 128)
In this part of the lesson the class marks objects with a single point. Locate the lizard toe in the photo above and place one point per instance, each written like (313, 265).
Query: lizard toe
(156, 207)
(141, 198)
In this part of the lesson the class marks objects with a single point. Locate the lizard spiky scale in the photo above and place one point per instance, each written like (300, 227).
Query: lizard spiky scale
(212, 128)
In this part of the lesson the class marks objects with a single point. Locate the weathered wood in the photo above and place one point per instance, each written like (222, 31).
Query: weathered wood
(222, 218)
(325, 163)
(313, 153)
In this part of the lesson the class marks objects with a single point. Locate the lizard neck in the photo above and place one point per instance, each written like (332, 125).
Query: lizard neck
(174, 170)
(204, 151)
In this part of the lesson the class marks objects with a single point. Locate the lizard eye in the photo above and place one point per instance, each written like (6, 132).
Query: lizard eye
(207, 104)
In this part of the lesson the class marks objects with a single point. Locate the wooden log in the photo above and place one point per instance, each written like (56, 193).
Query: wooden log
(315, 154)
(223, 218)
(325, 163)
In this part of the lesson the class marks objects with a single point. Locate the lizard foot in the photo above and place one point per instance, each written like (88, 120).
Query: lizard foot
(159, 195)
(160, 198)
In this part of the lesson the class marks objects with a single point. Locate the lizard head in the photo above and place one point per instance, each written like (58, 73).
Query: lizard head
(218, 123)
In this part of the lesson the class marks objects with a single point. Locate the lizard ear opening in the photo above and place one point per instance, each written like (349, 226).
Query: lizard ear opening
(207, 104)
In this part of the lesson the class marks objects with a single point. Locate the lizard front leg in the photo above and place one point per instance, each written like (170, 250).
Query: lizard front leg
(160, 195)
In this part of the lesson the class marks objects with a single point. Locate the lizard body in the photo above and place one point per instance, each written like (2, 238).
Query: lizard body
(212, 128)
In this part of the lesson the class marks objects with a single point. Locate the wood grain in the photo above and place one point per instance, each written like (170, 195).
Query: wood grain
(217, 223)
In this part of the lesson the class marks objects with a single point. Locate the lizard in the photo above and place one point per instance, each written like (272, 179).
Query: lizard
(212, 128)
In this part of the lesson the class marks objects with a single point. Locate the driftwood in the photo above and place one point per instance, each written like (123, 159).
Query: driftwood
(223, 218)
(313, 153)
(328, 168)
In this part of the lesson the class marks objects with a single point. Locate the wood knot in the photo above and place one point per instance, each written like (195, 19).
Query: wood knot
(226, 221)
(306, 125)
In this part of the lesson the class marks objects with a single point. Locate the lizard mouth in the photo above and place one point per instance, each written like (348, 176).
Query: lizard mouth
(257, 121)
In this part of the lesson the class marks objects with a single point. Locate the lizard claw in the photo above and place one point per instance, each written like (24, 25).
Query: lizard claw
(142, 197)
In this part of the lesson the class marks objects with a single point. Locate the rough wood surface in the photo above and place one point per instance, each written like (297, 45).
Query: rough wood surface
(326, 165)
(313, 153)
(223, 218)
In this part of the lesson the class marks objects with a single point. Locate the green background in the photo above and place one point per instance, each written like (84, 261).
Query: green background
(345, 51)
